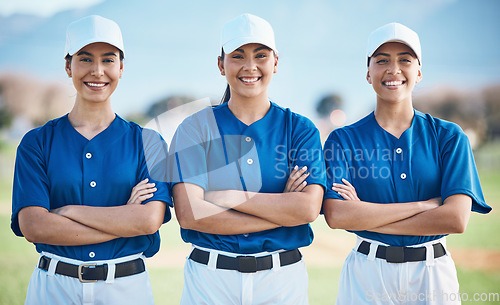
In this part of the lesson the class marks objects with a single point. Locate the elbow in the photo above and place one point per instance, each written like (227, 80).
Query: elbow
(31, 234)
(311, 213)
(29, 229)
(332, 217)
(183, 222)
(151, 226)
(458, 223)
(332, 222)
(185, 218)
(458, 227)
(311, 208)
(152, 219)
(187, 223)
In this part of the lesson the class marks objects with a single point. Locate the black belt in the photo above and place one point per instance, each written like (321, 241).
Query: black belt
(87, 273)
(244, 263)
(402, 254)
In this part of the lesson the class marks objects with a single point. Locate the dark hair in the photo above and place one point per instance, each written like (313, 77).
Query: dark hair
(227, 94)
(69, 57)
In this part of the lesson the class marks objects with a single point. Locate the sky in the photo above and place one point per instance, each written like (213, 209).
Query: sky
(43, 8)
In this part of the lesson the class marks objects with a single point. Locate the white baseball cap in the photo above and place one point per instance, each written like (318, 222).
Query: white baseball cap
(394, 32)
(245, 29)
(92, 29)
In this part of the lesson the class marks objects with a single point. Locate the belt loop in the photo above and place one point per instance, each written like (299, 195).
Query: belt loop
(52, 266)
(276, 261)
(429, 255)
(373, 251)
(212, 260)
(110, 279)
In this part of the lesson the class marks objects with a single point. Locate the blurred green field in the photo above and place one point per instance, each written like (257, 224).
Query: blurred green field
(478, 264)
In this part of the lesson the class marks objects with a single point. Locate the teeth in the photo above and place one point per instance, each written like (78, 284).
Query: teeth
(249, 79)
(394, 83)
(96, 85)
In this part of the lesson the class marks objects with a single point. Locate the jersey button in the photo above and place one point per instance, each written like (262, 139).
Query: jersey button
(246, 234)
(91, 254)
(92, 184)
(248, 139)
(88, 155)
(250, 161)
(399, 150)
(403, 176)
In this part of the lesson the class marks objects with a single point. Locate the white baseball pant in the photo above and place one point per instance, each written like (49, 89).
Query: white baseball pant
(366, 279)
(48, 288)
(206, 285)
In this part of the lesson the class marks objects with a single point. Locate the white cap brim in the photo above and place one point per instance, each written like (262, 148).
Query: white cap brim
(234, 44)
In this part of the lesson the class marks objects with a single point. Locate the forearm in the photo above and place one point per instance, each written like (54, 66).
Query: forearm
(360, 215)
(195, 213)
(40, 226)
(124, 221)
(452, 217)
(285, 209)
(212, 219)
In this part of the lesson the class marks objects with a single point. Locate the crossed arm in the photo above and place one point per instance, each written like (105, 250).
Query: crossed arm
(74, 225)
(428, 217)
(238, 212)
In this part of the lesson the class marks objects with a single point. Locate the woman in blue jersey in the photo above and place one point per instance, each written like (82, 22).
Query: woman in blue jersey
(242, 195)
(401, 181)
(88, 188)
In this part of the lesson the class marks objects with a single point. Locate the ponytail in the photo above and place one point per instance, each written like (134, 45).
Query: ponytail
(227, 94)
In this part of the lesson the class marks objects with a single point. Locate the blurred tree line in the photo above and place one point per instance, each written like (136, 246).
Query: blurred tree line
(477, 112)
(26, 102)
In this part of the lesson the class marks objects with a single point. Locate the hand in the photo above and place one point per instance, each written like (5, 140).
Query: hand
(346, 190)
(142, 191)
(296, 182)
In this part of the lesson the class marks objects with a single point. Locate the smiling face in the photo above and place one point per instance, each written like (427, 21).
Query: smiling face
(249, 70)
(95, 70)
(393, 72)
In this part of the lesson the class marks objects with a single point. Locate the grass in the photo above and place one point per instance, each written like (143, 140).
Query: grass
(18, 257)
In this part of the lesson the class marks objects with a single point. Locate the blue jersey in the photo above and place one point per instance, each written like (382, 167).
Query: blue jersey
(215, 150)
(432, 158)
(57, 166)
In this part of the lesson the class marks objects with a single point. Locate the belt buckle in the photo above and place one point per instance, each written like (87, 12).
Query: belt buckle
(247, 264)
(80, 273)
(395, 255)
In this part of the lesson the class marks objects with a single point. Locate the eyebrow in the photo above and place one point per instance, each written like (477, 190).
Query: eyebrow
(399, 54)
(255, 51)
(89, 54)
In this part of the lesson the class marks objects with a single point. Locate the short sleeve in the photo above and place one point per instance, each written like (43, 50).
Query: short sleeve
(155, 168)
(306, 150)
(459, 171)
(31, 183)
(336, 164)
(187, 161)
